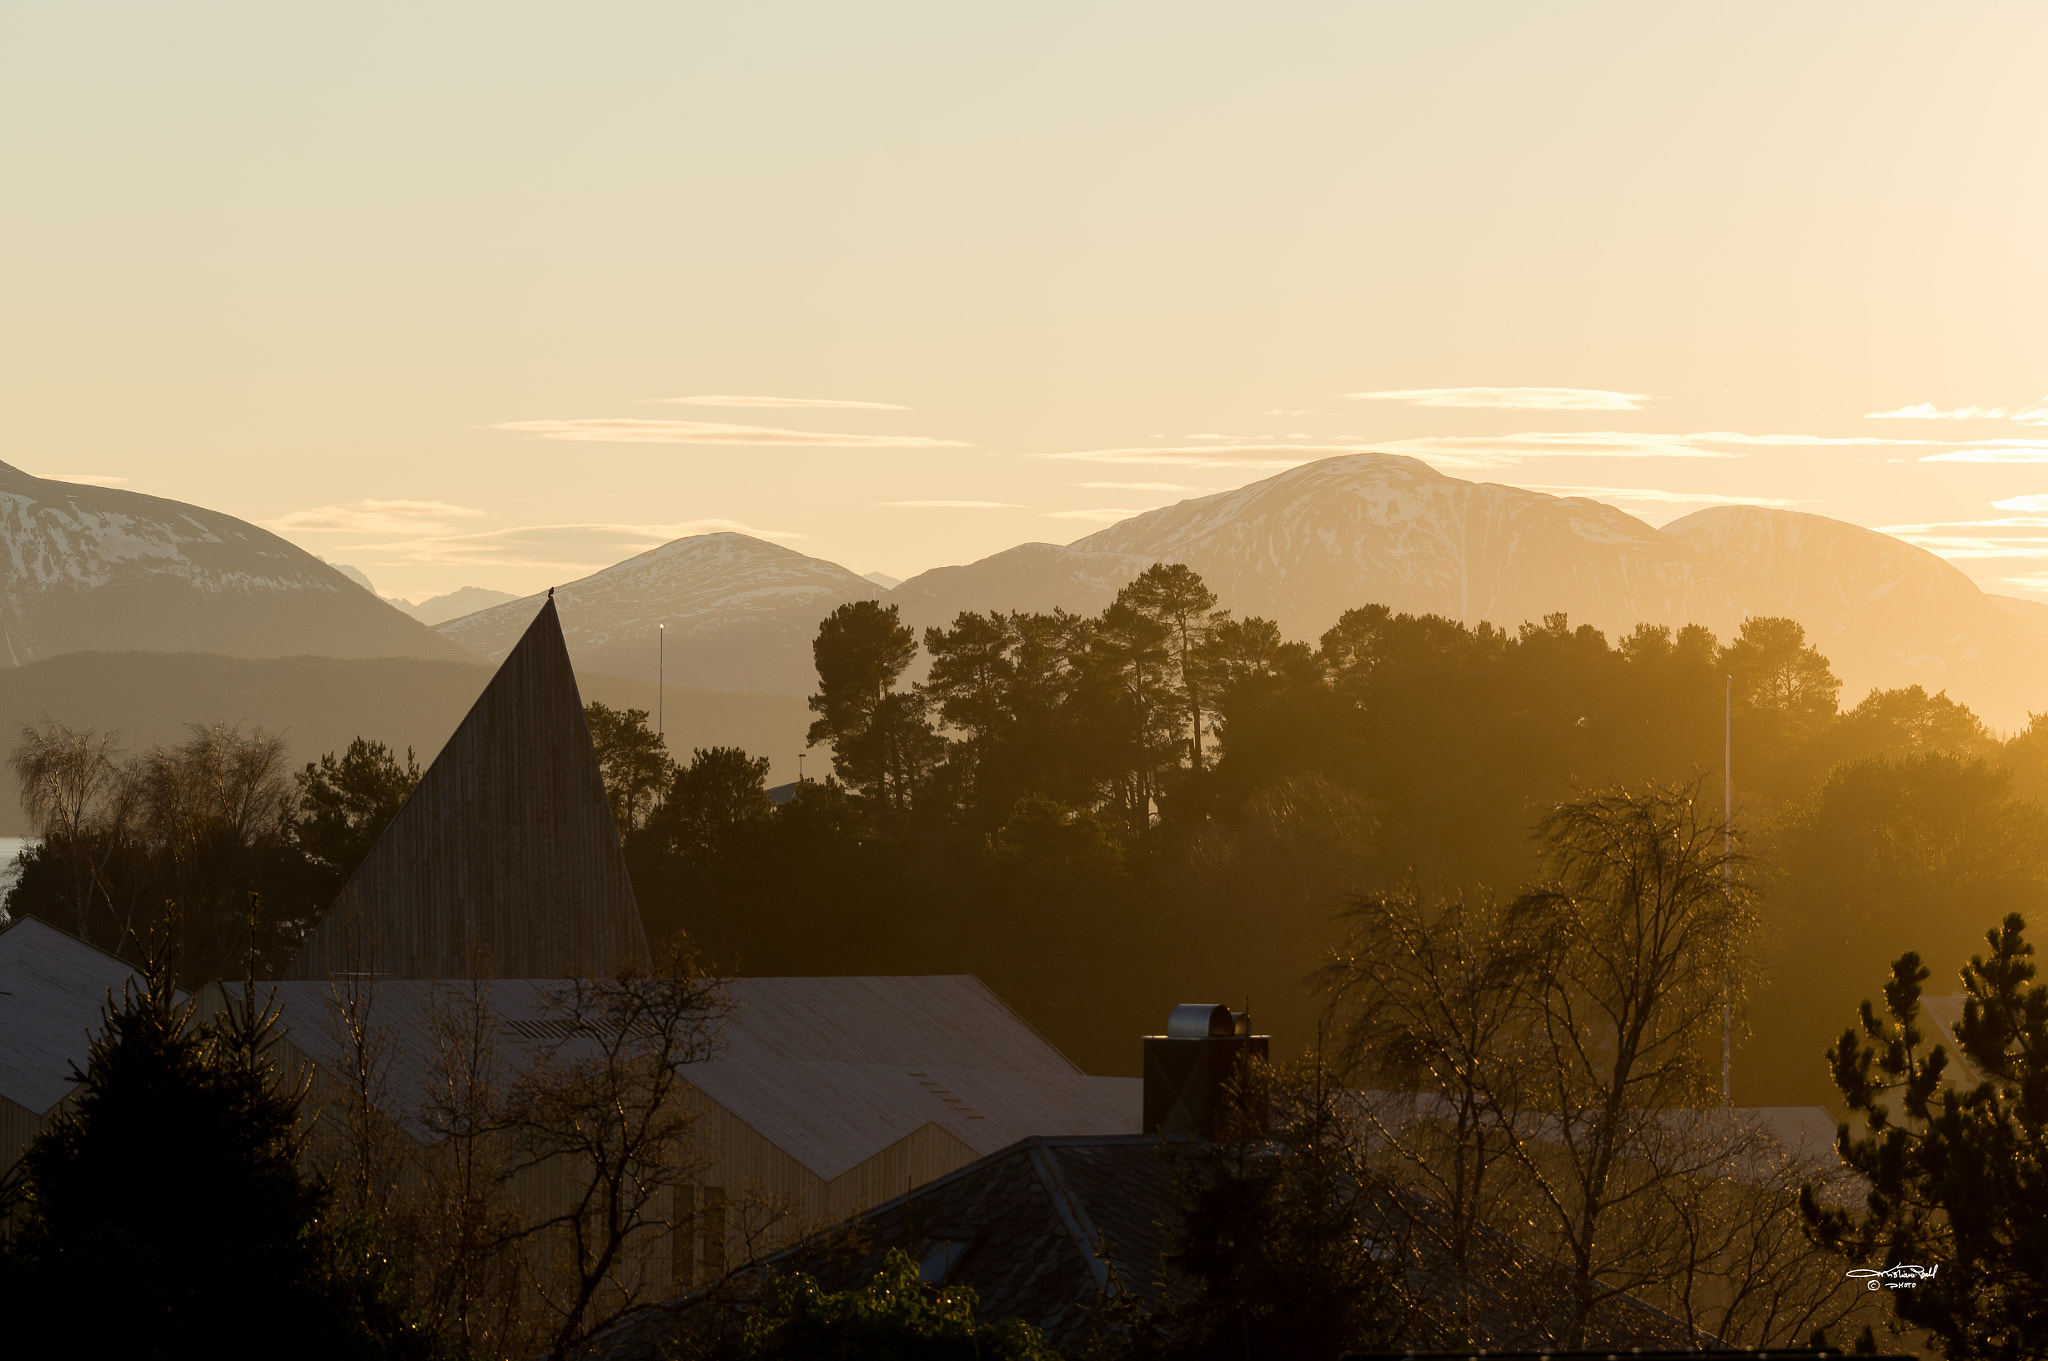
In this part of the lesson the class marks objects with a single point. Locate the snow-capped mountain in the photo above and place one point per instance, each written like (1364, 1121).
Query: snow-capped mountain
(100, 569)
(1302, 547)
(1032, 577)
(1884, 612)
(740, 614)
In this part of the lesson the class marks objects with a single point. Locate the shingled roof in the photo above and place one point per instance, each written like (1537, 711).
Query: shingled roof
(505, 862)
(1037, 1228)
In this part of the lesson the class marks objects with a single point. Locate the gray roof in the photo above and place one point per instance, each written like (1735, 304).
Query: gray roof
(833, 1070)
(1025, 1228)
(53, 993)
(829, 1070)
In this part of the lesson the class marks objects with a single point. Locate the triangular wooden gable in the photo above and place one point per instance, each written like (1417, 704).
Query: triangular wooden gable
(505, 862)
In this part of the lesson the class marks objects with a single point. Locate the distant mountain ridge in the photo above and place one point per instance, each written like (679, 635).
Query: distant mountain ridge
(739, 613)
(94, 568)
(1305, 545)
(98, 568)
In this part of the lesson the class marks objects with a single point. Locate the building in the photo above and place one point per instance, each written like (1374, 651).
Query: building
(53, 992)
(505, 862)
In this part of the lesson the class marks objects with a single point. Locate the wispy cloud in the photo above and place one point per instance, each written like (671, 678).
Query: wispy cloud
(2034, 503)
(1248, 439)
(1512, 399)
(88, 479)
(2036, 582)
(1928, 411)
(1659, 497)
(580, 547)
(1138, 486)
(2018, 536)
(1099, 515)
(1993, 451)
(952, 505)
(1498, 451)
(824, 402)
(1273, 457)
(374, 517)
(626, 431)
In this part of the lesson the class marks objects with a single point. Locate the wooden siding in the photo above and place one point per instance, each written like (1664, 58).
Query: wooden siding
(760, 1181)
(18, 1125)
(505, 862)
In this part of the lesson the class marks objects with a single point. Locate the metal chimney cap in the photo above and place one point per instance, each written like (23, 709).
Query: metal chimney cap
(1199, 1021)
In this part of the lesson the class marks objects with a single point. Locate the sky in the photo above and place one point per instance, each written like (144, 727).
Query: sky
(497, 295)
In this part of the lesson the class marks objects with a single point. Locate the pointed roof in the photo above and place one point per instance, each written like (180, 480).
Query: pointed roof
(505, 862)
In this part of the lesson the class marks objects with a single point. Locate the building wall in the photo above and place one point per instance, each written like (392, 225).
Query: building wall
(766, 1199)
(18, 1125)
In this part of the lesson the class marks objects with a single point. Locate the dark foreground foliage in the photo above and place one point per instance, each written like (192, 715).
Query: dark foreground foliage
(165, 1214)
(1955, 1153)
(892, 1318)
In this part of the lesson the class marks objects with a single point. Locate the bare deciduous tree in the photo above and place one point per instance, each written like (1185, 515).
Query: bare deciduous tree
(79, 799)
(1554, 1076)
(605, 1104)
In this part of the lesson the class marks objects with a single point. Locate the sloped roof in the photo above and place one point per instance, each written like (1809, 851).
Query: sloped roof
(1025, 1227)
(833, 1070)
(830, 1070)
(1947, 1015)
(53, 992)
(505, 862)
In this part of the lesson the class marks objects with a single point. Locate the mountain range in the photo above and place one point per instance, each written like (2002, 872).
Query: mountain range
(98, 568)
(94, 568)
(738, 614)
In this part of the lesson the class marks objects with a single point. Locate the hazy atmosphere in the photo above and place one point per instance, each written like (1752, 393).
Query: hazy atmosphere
(988, 682)
(477, 295)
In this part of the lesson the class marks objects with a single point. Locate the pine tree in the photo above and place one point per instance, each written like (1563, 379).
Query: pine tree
(1959, 1187)
(164, 1214)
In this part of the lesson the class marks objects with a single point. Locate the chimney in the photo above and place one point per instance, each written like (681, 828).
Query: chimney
(1187, 1068)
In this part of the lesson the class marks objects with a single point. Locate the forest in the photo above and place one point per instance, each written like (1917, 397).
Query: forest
(1104, 816)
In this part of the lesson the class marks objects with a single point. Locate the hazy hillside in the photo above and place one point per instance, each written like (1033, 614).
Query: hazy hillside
(439, 609)
(1034, 577)
(740, 613)
(98, 568)
(1885, 612)
(1310, 543)
(320, 703)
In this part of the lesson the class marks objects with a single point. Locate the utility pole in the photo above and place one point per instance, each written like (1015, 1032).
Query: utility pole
(660, 681)
(1727, 869)
(799, 767)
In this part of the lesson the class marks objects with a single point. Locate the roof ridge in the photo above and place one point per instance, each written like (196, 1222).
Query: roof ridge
(1072, 1212)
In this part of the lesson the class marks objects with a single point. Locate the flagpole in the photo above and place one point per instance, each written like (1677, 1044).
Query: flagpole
(1727, 869)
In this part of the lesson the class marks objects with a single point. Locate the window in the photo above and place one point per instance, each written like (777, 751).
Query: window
(941, 1255)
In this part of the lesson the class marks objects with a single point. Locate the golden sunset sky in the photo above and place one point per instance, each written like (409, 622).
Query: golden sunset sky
(498, 294)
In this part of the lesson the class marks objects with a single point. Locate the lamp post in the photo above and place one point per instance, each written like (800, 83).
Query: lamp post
(1727, 869)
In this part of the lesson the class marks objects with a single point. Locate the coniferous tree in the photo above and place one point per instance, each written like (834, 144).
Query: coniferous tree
(1958, 1172)
(164, 1214)
(345, 803)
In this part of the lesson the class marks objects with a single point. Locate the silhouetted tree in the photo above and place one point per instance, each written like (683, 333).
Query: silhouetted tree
(344, 804)
(164, 1213)
(204, 823)
(1286, 1243)
(635, 762)
(1957, 1174)
(710, 801)
(892, 1318)
(882, 744)
(1779, 678)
